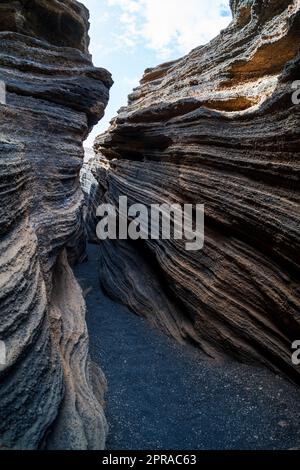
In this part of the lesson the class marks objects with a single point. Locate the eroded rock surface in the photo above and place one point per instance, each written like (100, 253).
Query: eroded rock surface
(50, 394)
(216, 127)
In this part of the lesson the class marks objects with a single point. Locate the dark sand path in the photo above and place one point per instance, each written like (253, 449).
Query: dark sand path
(166, 396)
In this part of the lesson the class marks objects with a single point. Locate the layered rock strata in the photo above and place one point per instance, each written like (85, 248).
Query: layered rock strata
(51, 395)
(218, 127)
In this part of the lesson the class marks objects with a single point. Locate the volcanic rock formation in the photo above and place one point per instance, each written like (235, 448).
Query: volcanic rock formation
(217, 127)
(50, 393)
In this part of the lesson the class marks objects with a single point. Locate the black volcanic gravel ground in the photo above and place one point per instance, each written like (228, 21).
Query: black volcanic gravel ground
(164, 396)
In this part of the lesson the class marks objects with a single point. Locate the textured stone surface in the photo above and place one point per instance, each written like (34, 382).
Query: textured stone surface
(50, 393)
(217, 127)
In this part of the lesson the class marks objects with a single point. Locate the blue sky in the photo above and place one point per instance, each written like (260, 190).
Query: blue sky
(128, 36)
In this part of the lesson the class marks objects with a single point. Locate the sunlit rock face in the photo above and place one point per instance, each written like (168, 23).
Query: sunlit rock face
(217, 127)
(50, 393)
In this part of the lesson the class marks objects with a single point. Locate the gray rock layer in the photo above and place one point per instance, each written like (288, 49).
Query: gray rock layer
(217, 127)
(49, 393)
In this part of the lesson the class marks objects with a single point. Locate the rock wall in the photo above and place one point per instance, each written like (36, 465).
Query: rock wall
(216, 127)
(51, 395)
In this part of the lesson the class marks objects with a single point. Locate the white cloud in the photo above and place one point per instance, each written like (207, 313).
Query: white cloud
(168, 26)
(131, 6)
(132, 82)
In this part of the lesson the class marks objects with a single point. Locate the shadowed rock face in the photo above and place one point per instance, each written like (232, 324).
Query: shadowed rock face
(50, 395)
(59, 23)
(216, 127)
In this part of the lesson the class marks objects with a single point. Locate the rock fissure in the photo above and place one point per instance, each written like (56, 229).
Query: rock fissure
(217, 127)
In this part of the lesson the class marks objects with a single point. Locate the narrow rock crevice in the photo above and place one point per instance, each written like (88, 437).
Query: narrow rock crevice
(216, 127)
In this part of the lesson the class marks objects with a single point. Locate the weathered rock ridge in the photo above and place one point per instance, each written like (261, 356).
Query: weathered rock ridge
(51, 395)
(216, 127)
